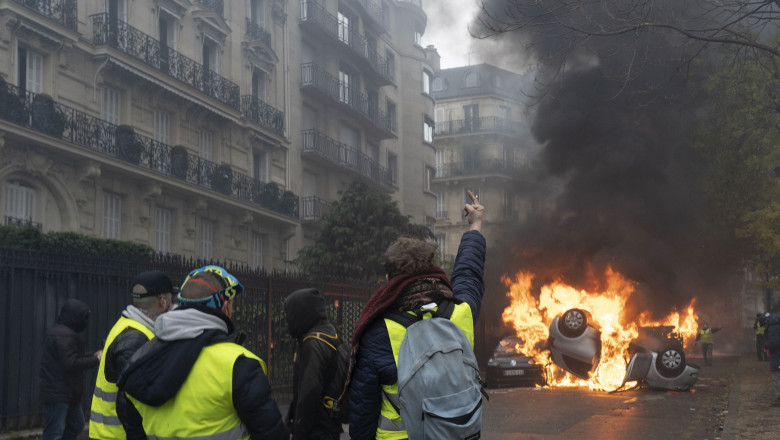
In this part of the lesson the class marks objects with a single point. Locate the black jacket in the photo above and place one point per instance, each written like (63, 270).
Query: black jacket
(307, 418)
(773, 343)
(121, 350)
(159, 368)
(64, 360)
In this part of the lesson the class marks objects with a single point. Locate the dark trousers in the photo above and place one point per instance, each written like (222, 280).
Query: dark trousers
(706, 351)
(64, 421)
(760, 339)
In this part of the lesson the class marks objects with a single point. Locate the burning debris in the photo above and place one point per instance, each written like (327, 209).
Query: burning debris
(578, 317)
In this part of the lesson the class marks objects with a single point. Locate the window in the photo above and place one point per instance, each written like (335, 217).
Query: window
(439, 162)
(344, 28)
(438, 84)
(471, 117)
(30, 70)
(392, 167)
(19, 200)
(205, 144)
(162, 134)
(426, 82)
(257, 250)
(428, 130)
(428, 174)
(167, 29)
(441, 205)
(206, 238)
(111, 105)
(509, 205)
(390, 58)
(260, 165)
(344, 92)
(441, 245)
(162, 229)
(418, 38)
(117, 13)
(391, 116)
(112, 215)
(257, 12)
(258, 84)
(210, 55)
(472, 80)
(503, 112)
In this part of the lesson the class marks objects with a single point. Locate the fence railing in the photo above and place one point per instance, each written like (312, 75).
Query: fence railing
(145, 48)
(313, 12)
(314, 208)
(47, 280)
(64, 12)
(346, 156)
(261, 113)
(374, 10)
(314, 76)
(478, 167)
(254, 30)
(41, 113)
(21, 222)
(477, 125)
(217, 6)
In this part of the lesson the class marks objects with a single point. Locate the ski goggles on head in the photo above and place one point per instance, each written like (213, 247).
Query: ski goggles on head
(227, 289)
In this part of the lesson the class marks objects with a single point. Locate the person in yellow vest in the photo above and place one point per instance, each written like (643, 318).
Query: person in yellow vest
(705, 337)
(194, 379)
(413, 281)
(153, 294)
(760, 326)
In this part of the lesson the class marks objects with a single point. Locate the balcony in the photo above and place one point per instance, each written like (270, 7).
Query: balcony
(217, 6)
(262, 114)
(314, 208)
(42, 114)
(374, 11)
(22, 222)
(479, 167)
(144, 48)
(257, 33)
(64, 12)
(312, 12)
(487, 124)
(313, 76)
(345, 156)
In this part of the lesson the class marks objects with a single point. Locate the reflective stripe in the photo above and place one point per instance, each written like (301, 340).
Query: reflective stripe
(392, 398)
(104, 419)
(231, 434)
(108, 396)
(391, 425)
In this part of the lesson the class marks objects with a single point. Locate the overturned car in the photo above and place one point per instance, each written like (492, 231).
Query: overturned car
(575, 342)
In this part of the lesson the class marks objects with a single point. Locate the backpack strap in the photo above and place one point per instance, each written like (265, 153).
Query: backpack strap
(321, 337)
(444, 309)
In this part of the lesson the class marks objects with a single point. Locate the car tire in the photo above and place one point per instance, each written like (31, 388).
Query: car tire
(573, 323)
(670, 361)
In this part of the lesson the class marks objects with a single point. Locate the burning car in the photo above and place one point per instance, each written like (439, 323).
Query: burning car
(658, 360)
(509, 367)
(575, 342)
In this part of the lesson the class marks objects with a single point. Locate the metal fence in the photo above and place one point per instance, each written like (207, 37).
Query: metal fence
(34, 286)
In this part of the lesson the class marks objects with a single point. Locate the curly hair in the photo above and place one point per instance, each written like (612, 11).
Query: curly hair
(409, 255)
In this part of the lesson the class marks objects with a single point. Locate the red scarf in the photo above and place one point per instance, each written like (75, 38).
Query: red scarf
(378, 304)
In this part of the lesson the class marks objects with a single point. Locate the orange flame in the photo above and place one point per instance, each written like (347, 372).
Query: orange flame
(530, 317)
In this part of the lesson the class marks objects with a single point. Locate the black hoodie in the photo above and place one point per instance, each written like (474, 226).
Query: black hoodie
(307, 418)
(64, 360)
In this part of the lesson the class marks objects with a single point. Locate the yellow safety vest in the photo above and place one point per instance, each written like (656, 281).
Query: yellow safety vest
(203, 406)
(390, 426)
(103, 421)
(761, 329)
(706, 336)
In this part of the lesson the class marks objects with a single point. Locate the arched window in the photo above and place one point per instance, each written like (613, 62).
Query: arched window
(438, 84)
(19, 201)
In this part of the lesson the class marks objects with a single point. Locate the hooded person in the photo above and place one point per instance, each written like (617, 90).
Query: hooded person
(62, 372)
(316, 348)
(152, 294)
(772, 345)
(194, 379)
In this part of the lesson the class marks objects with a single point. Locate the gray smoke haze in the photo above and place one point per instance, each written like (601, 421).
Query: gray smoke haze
(615, 160)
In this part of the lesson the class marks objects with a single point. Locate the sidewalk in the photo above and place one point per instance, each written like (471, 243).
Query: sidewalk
(749, 415)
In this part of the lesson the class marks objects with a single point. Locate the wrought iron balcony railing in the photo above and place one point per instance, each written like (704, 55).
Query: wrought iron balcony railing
(477, 125)
(345, 156)
(374, 10)
(312, 11)
(41, 113)
(317, 77)
(262, 114)
(22, 222)
(64, 12)
(493, 166)
(144, 48)
(255, 31)
(217, 6)
(314, 208)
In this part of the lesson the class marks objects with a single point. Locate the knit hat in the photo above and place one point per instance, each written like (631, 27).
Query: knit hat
(155, 282)
(227, 289)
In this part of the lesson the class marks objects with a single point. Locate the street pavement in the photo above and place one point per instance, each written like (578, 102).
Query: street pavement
(729, 402)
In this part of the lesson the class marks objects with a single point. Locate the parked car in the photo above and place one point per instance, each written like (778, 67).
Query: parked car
(575, 342)
(658, 360)
(509, 367)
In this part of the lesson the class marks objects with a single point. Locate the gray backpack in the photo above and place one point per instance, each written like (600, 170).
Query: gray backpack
(439, 386)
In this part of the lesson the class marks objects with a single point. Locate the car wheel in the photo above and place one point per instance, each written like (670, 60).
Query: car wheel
(670, 361)
(573, 323)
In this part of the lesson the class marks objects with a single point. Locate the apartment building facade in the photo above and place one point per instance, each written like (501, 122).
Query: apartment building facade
(483, 144)
(201, 127)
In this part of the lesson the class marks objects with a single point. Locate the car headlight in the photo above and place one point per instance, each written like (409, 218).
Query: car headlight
(531, 362)
(492, 362)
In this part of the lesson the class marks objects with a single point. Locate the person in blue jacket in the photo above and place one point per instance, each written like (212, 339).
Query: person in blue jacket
(412, 281)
